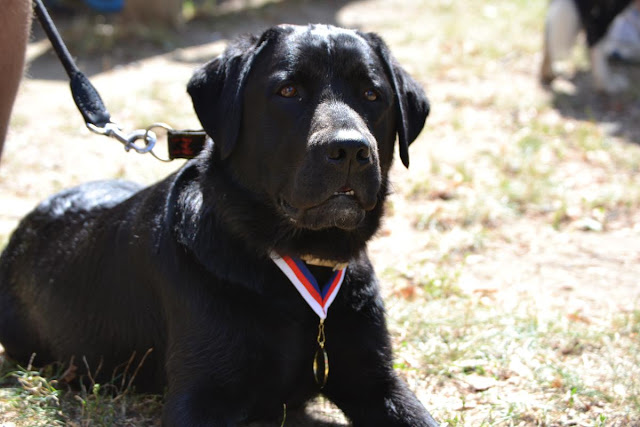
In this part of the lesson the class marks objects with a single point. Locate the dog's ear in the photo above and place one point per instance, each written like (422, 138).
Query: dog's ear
(217, 88)
(412, 106)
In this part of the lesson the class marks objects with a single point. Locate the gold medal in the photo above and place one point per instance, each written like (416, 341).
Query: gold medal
(321, 359)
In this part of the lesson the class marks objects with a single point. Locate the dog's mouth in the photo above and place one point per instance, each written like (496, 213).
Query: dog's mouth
(345, 191)
(342, 209)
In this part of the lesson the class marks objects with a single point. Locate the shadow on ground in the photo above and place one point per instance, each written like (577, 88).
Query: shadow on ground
(619, 114)
(100, 43)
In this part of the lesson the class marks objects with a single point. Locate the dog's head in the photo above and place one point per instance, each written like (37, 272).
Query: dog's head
(307, 117)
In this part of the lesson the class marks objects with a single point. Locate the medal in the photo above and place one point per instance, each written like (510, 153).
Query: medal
(319, 298)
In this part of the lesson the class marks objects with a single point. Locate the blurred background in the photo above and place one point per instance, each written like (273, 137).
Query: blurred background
(510, 256)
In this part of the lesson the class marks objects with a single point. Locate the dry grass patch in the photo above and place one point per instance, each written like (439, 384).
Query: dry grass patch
(479, 363)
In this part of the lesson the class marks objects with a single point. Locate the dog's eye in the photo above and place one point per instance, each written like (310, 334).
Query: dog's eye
(371, 95)
(288, 91)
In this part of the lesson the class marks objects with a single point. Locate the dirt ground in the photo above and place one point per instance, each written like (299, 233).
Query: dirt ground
(568, 269)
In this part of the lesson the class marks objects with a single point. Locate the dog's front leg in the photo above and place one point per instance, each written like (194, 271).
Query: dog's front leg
(361, 379)
(206, 370)
(384, 403)
(191, 409)
(198, 408)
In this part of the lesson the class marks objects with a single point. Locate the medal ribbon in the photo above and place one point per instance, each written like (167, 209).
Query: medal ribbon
(318, 298)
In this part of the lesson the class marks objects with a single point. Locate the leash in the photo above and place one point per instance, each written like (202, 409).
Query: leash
(183, 144)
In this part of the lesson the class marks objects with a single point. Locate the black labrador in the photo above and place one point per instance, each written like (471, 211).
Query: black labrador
(303, 122)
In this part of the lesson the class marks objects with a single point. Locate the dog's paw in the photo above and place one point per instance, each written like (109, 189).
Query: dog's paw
(615, 83)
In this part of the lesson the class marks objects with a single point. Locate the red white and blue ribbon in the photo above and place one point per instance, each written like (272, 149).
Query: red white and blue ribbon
(318, 297)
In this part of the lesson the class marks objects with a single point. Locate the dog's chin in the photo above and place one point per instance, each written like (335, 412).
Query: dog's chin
(339, 211)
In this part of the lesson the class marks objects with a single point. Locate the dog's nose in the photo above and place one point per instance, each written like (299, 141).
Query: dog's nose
(349, 146)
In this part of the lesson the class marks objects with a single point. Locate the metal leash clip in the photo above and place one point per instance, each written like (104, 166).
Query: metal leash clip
(182, 144)
(129, 140)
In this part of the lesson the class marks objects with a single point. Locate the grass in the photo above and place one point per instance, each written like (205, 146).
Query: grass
(538, 371)
(33, 400)
(30, 397)
(530, 175)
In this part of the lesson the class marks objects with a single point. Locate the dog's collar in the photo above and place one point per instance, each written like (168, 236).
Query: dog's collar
(319, 262)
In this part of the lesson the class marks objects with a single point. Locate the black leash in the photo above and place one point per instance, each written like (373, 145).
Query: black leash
(183, 144)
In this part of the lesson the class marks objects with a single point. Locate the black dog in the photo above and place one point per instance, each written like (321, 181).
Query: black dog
(565, 19)
(303, 121)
